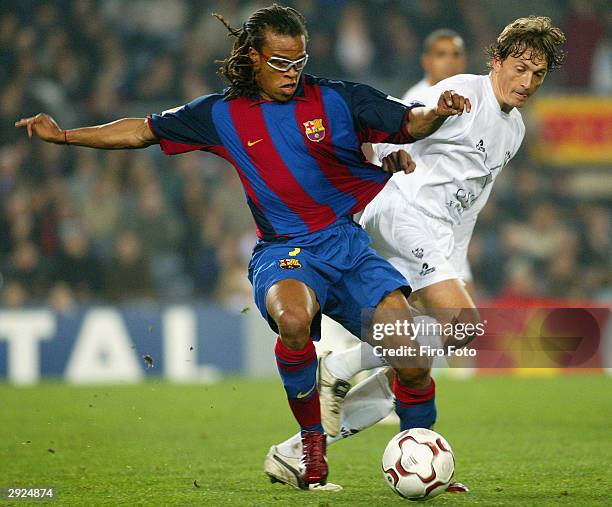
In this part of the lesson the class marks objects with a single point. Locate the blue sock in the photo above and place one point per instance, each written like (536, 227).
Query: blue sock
(416, 408)
(420, 415)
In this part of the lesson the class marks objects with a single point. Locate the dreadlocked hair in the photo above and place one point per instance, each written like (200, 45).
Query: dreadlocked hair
(237, 68)
(536, 33)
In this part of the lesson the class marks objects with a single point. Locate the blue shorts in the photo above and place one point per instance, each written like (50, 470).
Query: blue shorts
(337, 263)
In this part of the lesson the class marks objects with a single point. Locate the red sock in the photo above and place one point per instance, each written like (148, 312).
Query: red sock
(298, 370)
(307, 412)
(416, 408)
(411, 396)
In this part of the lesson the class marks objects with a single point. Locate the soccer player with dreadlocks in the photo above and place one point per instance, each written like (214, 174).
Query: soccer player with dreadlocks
(294, 140)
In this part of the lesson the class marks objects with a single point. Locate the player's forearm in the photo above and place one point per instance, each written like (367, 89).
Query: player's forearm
(424, 121)
(120, 134)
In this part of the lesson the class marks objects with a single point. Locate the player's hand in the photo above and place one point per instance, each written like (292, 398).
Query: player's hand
(42, 126)
(451, 103)
(398, 161)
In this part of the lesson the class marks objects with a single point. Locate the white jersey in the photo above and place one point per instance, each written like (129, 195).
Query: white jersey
(456, 166)
(417, 91)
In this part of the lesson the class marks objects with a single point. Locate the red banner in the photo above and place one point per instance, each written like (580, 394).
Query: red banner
(583, 326)
(573, 130)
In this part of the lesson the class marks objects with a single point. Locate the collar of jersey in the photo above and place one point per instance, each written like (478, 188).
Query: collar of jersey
(298, 95)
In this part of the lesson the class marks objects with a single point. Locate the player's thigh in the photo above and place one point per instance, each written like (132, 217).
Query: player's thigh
(357, 312)
(394, 333)
(393, 307)
(353, 300)
(418, 246)
(289, 288)
(459, 259)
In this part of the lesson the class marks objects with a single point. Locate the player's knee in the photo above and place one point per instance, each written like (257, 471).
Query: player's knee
(394, 300)
(416, 378)
(468, 325)
(294, 327)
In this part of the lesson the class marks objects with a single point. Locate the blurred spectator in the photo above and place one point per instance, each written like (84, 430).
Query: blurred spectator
(61, 298)
(584, 28)
(127, 274)
(601, 73)
(520, 280)
(14, 295)
(486, 256)
(595, 240)
(26, 267)
(101, 211)
(234, 288)
(396, 35)
(541, 237)
(76, 265)
(204, 262)
(595, 247)
(354, 47)
(561, 276)
(161, 232)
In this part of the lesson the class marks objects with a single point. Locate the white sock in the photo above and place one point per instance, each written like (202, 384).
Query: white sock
(347, 363)
(367, 403)
(292, 446)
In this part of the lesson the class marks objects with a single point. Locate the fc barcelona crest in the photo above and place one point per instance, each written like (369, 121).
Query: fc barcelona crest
(289, 263)
(315, 131)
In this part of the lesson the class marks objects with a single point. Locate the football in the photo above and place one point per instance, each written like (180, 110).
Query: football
(418, 464)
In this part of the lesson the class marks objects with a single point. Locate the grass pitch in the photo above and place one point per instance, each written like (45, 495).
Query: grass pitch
(517, 441)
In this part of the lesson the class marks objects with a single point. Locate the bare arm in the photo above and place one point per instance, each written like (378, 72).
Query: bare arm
(120, 134)
(424, 121)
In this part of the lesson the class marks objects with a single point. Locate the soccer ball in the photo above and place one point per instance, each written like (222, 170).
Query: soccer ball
(418, 464)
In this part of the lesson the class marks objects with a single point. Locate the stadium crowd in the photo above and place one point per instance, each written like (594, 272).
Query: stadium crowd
(79, 225)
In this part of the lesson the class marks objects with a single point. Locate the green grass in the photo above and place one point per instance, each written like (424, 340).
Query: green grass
(518, 441)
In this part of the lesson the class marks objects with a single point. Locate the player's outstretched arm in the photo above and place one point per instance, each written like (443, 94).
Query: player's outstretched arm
(120, 134)
(424, 121)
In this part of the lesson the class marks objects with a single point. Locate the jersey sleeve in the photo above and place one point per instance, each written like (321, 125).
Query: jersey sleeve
(187, 128)
(429, 96)
(452, 127)
(379, 117)
(459, 83)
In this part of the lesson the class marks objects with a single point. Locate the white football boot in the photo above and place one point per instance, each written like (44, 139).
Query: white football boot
(281, 468)
(288, 470)
(332, 392)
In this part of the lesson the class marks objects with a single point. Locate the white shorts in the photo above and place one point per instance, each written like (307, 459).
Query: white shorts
(425, 250)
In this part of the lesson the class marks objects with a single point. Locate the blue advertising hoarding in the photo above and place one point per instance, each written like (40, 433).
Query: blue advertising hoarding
(121, 344)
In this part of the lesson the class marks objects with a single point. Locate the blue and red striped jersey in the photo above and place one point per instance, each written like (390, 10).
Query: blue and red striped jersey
(300, 161)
